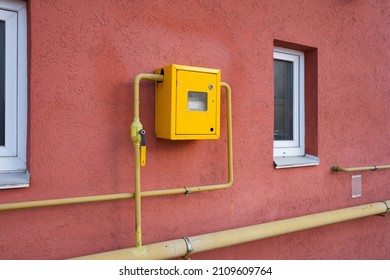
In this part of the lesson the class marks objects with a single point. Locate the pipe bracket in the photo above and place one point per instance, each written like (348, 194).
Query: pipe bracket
(190, 249)
(334, 168)
(187, 191)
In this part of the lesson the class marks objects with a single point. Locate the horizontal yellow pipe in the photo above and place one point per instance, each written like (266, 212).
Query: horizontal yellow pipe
(178, 248)
(336, 168)
(63, 201)
(107, 197)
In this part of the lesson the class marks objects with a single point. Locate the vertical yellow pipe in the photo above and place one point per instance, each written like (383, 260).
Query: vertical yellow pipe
(229, 131)
(136, 127)
(137, 184)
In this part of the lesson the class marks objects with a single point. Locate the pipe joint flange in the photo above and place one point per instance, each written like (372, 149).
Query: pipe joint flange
(388, 208)
(187, 191)
(190, 249)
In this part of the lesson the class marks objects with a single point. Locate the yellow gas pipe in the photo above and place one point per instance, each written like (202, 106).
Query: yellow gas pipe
(135, 130)
(63, 201)
(336, 168)
(136, 127)
(184, 247)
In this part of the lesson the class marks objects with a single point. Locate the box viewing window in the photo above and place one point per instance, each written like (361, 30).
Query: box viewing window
(197, 101)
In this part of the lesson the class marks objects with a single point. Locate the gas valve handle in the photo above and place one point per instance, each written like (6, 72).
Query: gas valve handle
(143, 147)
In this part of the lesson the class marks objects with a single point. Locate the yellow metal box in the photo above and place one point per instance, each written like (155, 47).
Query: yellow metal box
(188, 103)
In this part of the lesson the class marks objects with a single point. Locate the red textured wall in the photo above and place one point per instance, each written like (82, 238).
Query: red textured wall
(84, 56)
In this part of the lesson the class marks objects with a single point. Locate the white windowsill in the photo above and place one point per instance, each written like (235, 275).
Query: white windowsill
(14, 180)
(295, 161)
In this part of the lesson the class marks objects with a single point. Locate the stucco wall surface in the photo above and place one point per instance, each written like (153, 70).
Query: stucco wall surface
(83, 58)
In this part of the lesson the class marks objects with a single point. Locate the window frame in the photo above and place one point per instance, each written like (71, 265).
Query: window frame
(13, 163)
(295, 147)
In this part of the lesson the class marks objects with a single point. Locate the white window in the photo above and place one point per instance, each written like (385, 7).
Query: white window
(289, 109)
(13, 94)
(289, 103)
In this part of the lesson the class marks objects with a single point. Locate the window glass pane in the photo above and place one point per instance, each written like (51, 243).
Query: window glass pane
(2, 83)
(283, 111)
